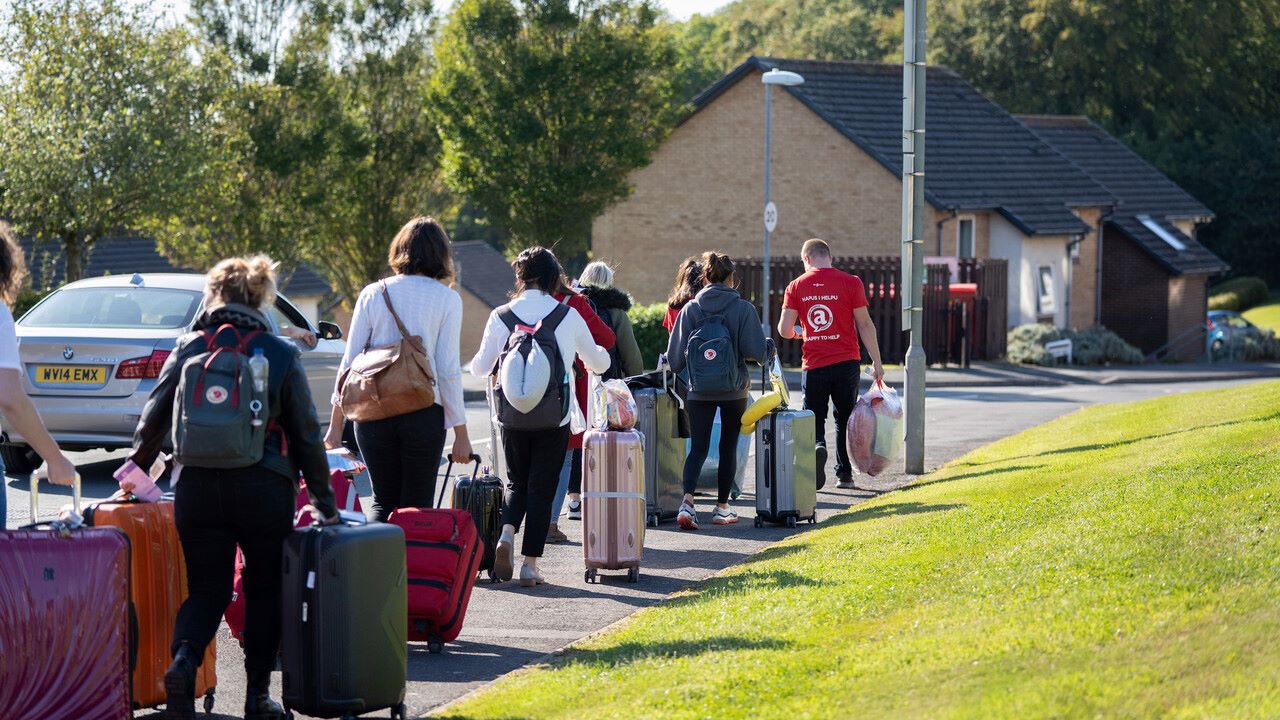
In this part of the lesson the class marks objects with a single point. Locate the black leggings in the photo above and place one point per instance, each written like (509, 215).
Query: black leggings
(403, 454)
(214, 511)
(534, 460)
(702, 417)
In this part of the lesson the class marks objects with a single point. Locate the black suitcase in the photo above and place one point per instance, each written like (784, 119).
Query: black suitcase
(480, 495)
(345, 642)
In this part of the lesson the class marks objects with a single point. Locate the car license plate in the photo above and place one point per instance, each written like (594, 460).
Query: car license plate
(71, 374)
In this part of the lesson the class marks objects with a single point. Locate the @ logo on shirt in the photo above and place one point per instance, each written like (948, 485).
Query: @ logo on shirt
(820, 318)
(710, 354)
(216, 394)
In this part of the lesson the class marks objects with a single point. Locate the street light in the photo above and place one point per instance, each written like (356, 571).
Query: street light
(912, 290)
(771, 78)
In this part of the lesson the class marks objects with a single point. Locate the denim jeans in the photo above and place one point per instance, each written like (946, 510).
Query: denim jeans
(403, 455)
(569, 472)
(4, 500)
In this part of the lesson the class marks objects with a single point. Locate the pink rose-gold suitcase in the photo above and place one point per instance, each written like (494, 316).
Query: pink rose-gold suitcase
(613, 502)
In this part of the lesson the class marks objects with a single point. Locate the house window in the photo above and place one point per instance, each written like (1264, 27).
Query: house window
(1045, 299)
(964, 238)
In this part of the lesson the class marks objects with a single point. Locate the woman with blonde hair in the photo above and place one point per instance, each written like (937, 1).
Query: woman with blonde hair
(403, 451)
(19, 414)
(217, 509)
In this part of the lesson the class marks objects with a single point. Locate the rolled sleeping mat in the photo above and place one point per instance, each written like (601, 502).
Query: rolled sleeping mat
(758, 409)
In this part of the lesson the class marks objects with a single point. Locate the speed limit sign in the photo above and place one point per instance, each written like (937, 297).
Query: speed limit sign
(770, 217)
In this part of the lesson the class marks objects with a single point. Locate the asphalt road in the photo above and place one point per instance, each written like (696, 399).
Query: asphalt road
(508, 627)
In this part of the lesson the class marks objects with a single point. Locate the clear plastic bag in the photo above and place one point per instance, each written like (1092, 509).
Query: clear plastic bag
(614, 406)
(876, 430)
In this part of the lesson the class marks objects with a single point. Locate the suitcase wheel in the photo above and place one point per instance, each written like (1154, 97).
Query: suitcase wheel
(589, 575)
(399, 712)
(791, 521)
(208, 703)
(435, 647)
(652, 521)
(759, 521)
(633, 574)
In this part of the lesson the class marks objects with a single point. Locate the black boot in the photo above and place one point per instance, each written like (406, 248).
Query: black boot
(180, 684)
(258, 704)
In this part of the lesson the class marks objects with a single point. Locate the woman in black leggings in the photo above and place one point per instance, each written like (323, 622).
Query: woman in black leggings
(716, 382)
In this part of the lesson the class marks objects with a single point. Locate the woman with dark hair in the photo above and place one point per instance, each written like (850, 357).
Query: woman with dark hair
(19, 414)
(534, 457)
(739, 319)
(403, 451)
(688, 284)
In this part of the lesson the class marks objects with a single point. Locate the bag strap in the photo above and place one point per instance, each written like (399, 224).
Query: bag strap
(554, 318)
(386, 296)
(508, 318)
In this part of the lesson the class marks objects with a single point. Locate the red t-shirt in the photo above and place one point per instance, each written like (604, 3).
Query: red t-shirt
(669, 320)
(825, 299)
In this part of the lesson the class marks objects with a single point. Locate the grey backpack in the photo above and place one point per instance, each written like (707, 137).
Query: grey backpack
(532, 380)
(219, 418)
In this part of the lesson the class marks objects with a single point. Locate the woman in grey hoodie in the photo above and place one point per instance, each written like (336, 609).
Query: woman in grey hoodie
(714, 337)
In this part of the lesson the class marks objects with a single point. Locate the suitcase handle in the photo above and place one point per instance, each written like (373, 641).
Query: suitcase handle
(448, 473)
(35, 500)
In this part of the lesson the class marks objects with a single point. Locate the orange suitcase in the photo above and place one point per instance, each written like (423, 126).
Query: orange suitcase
(614, 504)
(159, 585)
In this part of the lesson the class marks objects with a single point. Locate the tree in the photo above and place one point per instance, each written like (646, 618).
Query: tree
(105, 119)
(544, 108)
(380, 167)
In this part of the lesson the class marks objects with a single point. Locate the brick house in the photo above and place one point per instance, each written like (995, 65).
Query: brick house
(994, 187)
(1154, 274)
(484, 279)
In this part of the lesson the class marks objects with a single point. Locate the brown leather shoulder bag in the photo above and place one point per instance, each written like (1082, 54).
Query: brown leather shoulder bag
(388, 380)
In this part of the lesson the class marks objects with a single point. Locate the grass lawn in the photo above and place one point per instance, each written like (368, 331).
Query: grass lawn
(1122, 561)
(1266, 316)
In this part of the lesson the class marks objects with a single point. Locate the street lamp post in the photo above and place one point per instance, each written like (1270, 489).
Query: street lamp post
(912, 290)
(771, 78)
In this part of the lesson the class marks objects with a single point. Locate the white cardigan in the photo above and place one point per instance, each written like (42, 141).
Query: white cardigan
(572, 336)
(430, 310)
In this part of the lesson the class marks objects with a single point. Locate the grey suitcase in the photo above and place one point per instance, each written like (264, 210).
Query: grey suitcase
(664, 454)
(786, 481)
(344, 649)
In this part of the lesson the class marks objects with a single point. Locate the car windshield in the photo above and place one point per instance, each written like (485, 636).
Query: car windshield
(116, 307)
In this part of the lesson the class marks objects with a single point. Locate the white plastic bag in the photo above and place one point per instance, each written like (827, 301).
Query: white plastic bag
(614, 407)
(876, 429)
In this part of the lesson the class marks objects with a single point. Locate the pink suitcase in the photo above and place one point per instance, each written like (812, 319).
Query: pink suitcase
(613, 502)
(64, 609)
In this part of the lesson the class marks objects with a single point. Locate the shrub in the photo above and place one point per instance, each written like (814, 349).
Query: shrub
(1095, 346)
(1238, 294)
(1251, 348)
(646, 321)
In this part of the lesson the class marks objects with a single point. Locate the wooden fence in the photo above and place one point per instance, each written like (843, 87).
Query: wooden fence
(880, 277)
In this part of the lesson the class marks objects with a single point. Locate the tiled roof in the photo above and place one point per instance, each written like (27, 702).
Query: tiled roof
(121, 255)
(977, 155)
(1139, 188)
(483, 271)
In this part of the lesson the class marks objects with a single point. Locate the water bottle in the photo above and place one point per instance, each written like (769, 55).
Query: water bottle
(258, 368)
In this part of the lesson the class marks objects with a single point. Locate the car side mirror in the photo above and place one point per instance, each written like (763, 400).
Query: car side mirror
(330, 331)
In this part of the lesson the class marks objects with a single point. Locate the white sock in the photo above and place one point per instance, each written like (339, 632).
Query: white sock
(507, 537)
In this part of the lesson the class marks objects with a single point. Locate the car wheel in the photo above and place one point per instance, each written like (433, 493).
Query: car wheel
(19, 459)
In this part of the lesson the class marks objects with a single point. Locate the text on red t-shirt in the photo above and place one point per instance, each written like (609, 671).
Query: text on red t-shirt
(825, 299)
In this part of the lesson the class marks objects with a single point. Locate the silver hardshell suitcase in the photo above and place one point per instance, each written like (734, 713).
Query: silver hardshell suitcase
(664, 450)
(786, 477)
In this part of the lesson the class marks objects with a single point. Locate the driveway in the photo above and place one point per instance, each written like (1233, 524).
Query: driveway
(508, 627)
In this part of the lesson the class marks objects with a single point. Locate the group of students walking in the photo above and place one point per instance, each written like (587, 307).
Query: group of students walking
(252, 507)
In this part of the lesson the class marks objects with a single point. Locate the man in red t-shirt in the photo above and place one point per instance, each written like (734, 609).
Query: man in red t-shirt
(829, 305)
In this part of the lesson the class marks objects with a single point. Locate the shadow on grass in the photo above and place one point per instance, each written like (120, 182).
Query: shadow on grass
(875, 512)
(971, 475)
(1273, 417)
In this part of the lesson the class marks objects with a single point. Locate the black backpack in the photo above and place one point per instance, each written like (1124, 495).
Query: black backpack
(615, 358)
(521, 406)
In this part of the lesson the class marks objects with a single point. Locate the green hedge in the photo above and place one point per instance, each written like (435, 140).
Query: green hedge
(1095, 346)
(1238, 294)
(646, 320)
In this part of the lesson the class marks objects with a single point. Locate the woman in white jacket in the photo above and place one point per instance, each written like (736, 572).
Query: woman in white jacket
(534, 457)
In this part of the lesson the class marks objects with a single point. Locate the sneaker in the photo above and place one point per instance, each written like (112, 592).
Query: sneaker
(503, 564)
(530, 576)
(555, 535)
(820, 464)
(575, 509)
(724, 516)
(844, 481)
(688, 517)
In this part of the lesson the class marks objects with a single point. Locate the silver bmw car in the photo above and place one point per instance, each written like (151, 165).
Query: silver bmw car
(92, 351)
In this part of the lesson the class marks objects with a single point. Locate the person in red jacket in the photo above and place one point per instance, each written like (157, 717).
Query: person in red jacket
(571, 473)
(688, 284)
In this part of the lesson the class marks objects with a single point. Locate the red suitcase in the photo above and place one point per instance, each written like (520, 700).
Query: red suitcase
(614, 504)
(64, 607)
(442, 555)
(345, 497)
